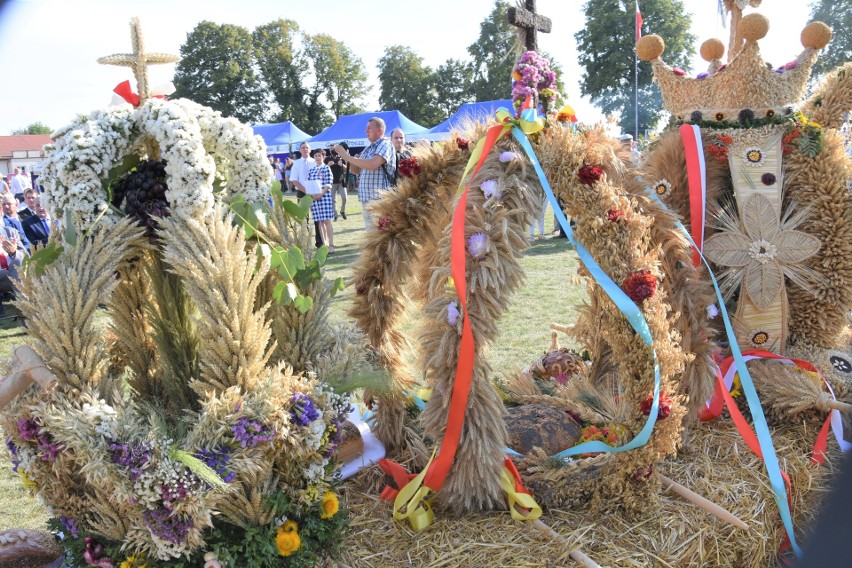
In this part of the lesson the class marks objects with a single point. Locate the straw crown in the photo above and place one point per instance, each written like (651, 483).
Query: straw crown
(747, 83)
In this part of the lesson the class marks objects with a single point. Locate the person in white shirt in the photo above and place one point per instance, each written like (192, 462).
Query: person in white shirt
(20, 183)
(299, 175)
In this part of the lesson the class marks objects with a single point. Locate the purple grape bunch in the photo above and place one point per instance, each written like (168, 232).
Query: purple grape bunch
(141, 193)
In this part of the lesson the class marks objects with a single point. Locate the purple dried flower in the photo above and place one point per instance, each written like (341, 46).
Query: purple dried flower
(561, 378)
(702, 75)
(13, 450)
(94, 554)
(132, 456)
(28, 429)
(163, 525)
(491, 189)
(477, 245)
(507, 156)
(217, 459)
(250, 433)
(49, 448)
(452, 313)
(791, 65)
(303, 410)
(70, 525)
(768, 178)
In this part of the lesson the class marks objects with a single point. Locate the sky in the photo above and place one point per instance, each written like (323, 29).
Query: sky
(49, 48)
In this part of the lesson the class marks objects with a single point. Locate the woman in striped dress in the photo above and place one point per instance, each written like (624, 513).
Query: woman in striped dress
(322, 209)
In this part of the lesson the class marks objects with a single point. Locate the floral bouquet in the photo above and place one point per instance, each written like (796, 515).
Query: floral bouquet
(533, 77)
(198, 425)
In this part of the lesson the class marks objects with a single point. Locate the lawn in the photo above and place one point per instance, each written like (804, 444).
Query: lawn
(547, 297)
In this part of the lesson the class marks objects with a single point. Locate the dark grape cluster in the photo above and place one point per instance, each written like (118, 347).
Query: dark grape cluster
(141, 193)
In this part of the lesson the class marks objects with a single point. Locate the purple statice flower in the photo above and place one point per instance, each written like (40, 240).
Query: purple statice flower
(164, 525)
(49, 448)
(452, 313)
(217, 459)
(131, 456)
(712, 311)
(70, 525)
(303, 410)
(490, 188)
(13, 451)
(477, 245)
(702, 75)
(250, 433)
(561, 378)
(94, 554)
(28, 429)
(790, 65)
(507, 156)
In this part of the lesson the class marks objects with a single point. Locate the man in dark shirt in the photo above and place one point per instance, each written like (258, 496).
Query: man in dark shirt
(338, 170)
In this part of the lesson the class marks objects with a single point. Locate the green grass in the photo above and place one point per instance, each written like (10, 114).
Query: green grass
(546, 297)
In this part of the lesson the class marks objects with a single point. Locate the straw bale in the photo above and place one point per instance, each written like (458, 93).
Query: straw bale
(714, 462)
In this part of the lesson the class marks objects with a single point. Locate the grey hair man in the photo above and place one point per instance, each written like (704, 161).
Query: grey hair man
(375, 167)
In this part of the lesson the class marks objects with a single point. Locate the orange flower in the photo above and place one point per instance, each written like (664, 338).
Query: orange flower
(287, 542)
(330, 505)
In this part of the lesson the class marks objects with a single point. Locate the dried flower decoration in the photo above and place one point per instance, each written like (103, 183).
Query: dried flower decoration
(712, 311)
(753, 156)
(643, 473)
(490, 188)
(614, 215)
(703, 75)
(462, 143)
(383, 224)
(746, 115)
(287, 539)
(768, 178)
(566, 114)
(663, 187)
(639, 286)
(759, 338)
(719, 116)
(409, 167)
(663, 409)
(330, 505)
(507, 156)
(696, 116)
(679, 72)
(718, 147)
(589, 174)
(453, 313)
(477, 245)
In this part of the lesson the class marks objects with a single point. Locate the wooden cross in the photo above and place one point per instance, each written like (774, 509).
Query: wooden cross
(138, 60)
(530, 22)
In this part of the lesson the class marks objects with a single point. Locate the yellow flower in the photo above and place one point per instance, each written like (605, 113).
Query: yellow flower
(330, 505)
(290, 527)
(28, 483)
(287, 542)
(130, 562)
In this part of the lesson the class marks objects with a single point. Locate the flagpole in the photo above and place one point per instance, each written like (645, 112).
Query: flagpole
(636, 77)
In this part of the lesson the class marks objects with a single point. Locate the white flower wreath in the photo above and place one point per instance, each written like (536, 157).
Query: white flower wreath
(193, 140)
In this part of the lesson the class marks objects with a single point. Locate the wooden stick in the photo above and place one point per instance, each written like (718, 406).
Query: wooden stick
(705, 504)
(576, 555)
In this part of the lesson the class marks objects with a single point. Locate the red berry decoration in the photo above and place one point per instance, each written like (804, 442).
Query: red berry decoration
(462, 143)
(614, 215)
(663, 409)
(384, 223)
(639, 286)
(589, 174)
(409, 167)
(643, 473)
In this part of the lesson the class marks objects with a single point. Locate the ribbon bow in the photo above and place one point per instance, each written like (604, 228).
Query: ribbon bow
(528, 119)
(124, 91)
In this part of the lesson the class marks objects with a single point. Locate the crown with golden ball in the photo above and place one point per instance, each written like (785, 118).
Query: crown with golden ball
(746, 90)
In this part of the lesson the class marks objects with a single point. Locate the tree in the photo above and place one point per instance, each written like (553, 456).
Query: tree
(607, 50)
(494, 55)
(339, 73)
(452, 83)
(282, 66)
(408, 86)
(217, 69)
(34, 128)
(838, 15)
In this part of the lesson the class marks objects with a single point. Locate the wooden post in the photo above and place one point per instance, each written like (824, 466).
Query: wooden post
(705, 504)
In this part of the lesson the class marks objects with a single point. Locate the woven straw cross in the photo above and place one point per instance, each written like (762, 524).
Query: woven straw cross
(138, 60)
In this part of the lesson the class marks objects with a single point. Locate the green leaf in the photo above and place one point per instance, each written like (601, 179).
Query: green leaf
(308, 275)
(298, 257)
(322, 254)
(42, 258)
(128, 163)
(293, 210)
(278, 291)
(303, 303)
(305, 204)
(337, 286)
(290, 292)
(70, 233)
(277, 193)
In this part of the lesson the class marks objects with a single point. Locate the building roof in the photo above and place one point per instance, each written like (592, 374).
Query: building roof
(21, 142)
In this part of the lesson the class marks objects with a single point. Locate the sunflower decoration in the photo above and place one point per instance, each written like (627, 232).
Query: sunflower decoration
(663, 188)
(753, 156)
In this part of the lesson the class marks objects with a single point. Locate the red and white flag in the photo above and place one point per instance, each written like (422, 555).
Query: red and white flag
(638, 22)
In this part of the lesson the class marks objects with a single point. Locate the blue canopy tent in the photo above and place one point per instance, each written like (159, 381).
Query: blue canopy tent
(350, 128)
(467, 114)
(280, 137)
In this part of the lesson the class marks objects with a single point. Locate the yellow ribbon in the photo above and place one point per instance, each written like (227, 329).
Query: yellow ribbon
(518, 500)
(529, 121)
(413, 502)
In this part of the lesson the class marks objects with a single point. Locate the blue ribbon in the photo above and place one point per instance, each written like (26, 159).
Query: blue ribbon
(761, 428)
(622, 301)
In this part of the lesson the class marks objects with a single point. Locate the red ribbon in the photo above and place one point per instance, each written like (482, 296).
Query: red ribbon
(399, 475)
(124, 91)
(696, 195)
